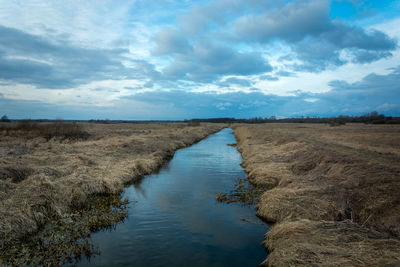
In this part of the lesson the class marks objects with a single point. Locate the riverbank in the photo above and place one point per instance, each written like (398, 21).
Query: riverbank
(333, 191)
(44, 175)
(175, 220)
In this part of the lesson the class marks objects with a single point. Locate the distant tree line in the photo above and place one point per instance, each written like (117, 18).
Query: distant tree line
(370, 118)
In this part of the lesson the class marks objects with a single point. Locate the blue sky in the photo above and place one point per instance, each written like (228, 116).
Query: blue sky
(173, 59)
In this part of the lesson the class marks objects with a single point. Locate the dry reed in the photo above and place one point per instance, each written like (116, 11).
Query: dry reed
(334, 197)
(46, 170)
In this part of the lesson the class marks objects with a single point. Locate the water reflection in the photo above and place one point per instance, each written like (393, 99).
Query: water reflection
(177, 221)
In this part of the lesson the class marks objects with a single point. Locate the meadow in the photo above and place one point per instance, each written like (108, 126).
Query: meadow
(331, 192)
(50, 171)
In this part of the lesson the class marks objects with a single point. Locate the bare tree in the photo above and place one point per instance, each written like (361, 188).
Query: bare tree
(5, 118)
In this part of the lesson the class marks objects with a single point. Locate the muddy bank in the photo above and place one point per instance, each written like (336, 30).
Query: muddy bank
(333, 192)
(45, 177)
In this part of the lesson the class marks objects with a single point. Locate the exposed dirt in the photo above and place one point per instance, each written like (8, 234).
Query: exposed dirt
(334, 191)
(45, 179)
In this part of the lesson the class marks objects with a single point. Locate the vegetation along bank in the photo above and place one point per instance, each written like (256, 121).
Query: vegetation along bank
(333, 191)
(57, 172)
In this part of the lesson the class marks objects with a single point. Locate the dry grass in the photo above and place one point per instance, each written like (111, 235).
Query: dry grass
(64, 241)
(346, 177)
(339, 244)
(42, 178)
(58, 129)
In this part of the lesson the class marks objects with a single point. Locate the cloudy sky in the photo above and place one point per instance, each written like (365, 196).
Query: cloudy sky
(180, 59)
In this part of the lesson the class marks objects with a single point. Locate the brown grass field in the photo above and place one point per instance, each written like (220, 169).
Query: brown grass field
(48, 169)
(334, 191)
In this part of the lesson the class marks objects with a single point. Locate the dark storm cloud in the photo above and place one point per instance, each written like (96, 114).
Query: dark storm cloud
(373, 92)
(314, 37)
(373, 83)
(315, 55)
(207, 43)
(207, 61)
(301, 19)
(364, 56)
(35, 60)
(203, 46)
(220, 13)
(290, 22)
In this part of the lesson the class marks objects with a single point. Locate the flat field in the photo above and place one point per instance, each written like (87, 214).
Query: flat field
(48, 169)
(334, 192)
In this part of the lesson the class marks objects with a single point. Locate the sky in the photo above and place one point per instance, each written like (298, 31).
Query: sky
(180, 59)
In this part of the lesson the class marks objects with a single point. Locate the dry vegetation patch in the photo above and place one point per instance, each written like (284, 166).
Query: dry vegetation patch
(339, 244)
(48, 169)
(331, 186)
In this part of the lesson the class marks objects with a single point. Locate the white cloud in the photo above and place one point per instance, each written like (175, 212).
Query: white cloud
(201, 55)
(93, 23)
(223, 106)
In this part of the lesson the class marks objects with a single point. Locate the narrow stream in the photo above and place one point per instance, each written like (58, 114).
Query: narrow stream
(174, 219)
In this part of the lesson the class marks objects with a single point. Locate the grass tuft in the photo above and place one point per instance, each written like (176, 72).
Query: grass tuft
(16, 173)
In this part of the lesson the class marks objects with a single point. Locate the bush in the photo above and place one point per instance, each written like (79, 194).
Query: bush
(64, 130)
(336, 123)
(4, 118)
(57, 129)
(26, 125)
(193, 123)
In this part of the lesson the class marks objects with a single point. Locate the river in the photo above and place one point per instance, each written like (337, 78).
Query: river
(174, 219)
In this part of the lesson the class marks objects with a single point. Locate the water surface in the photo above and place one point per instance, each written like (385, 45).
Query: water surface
(176, 220)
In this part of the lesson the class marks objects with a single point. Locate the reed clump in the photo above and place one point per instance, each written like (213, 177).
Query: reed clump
(244, 192)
